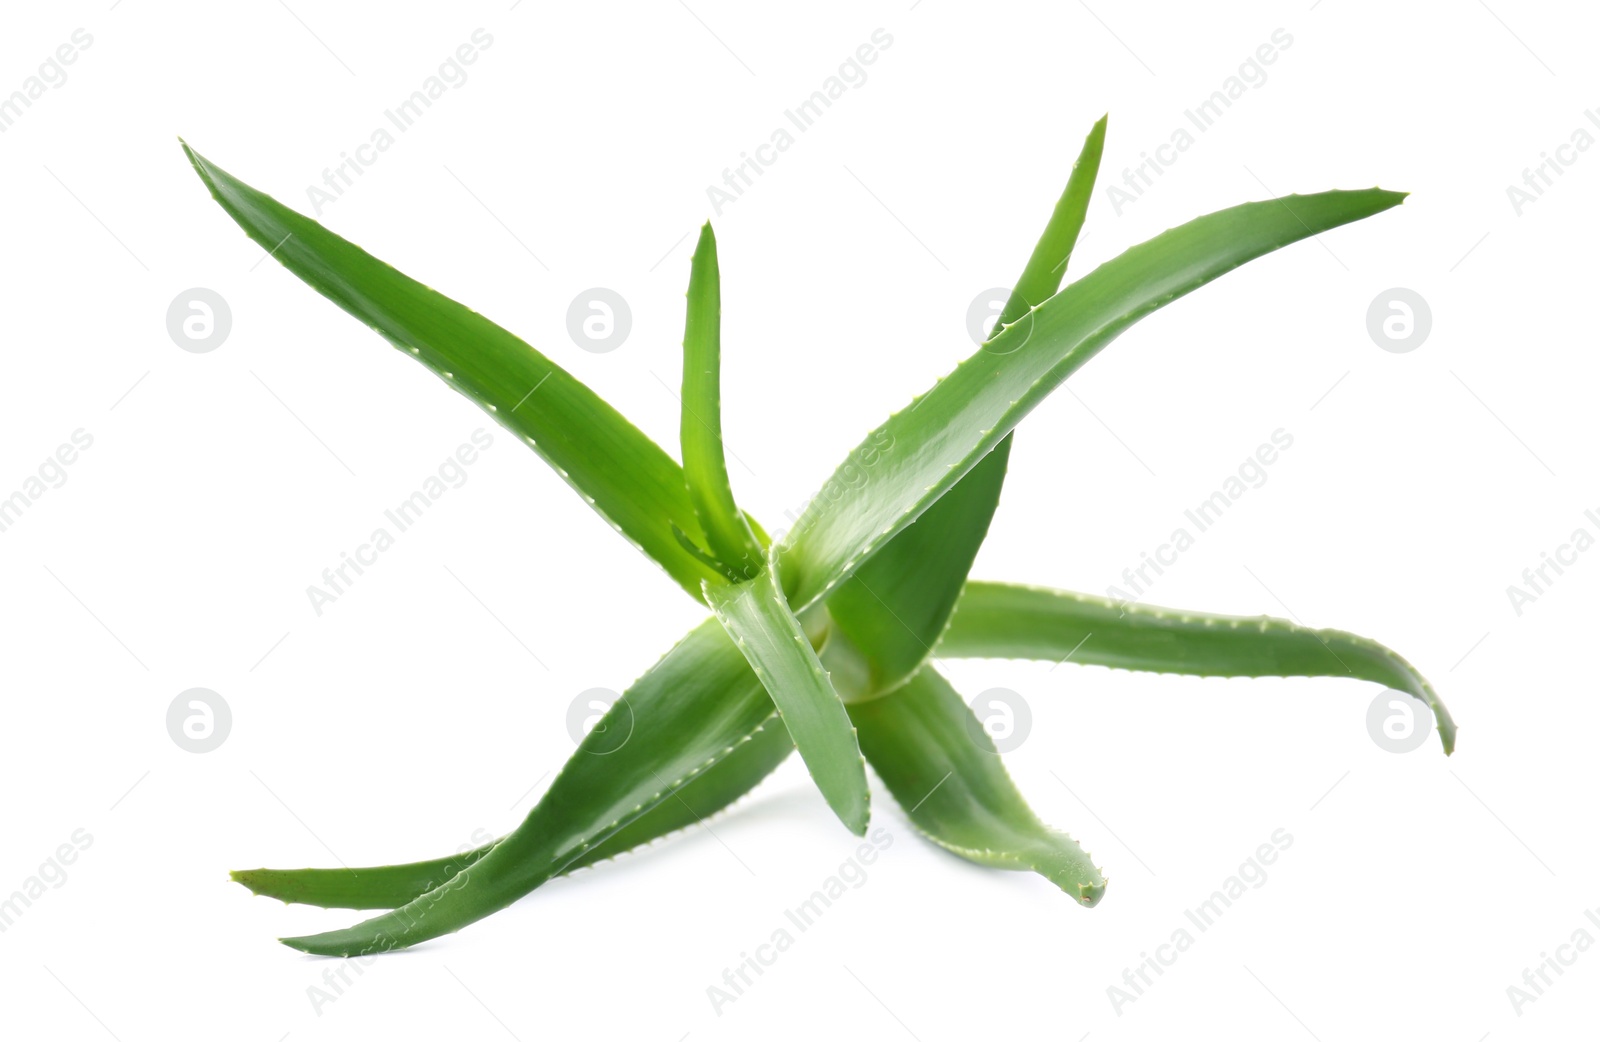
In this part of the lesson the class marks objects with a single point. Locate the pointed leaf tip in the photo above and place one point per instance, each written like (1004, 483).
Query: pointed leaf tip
(618, 470)
(728, 536)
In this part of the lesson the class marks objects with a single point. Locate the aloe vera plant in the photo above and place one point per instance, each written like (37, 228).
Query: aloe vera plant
(824, 641)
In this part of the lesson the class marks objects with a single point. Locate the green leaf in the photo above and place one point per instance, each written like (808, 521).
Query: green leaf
(997, 620)
(771, 639)
(689, 712)
(943, 769)
(923, 450)
(1046, 266)
(390, 886)
(897, 604)
(704, 557)
(619, 471)
(376, 886)
(729, 538)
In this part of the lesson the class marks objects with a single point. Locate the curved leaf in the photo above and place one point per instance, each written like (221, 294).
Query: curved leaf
(690, 711)
(390, 886)
(619, 471)
(999, 620)
(923, 450)
(943, 769)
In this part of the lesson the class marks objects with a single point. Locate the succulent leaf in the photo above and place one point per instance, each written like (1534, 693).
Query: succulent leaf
(619, 471)
(690, 711)
(897, 604)
(705, 467)
(944, 771)
(1001, 620)
(888, 548)
(923, 450)
(758, 618)
(390, 886)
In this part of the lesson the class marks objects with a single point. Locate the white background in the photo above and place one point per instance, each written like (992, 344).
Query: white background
(421, 707)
